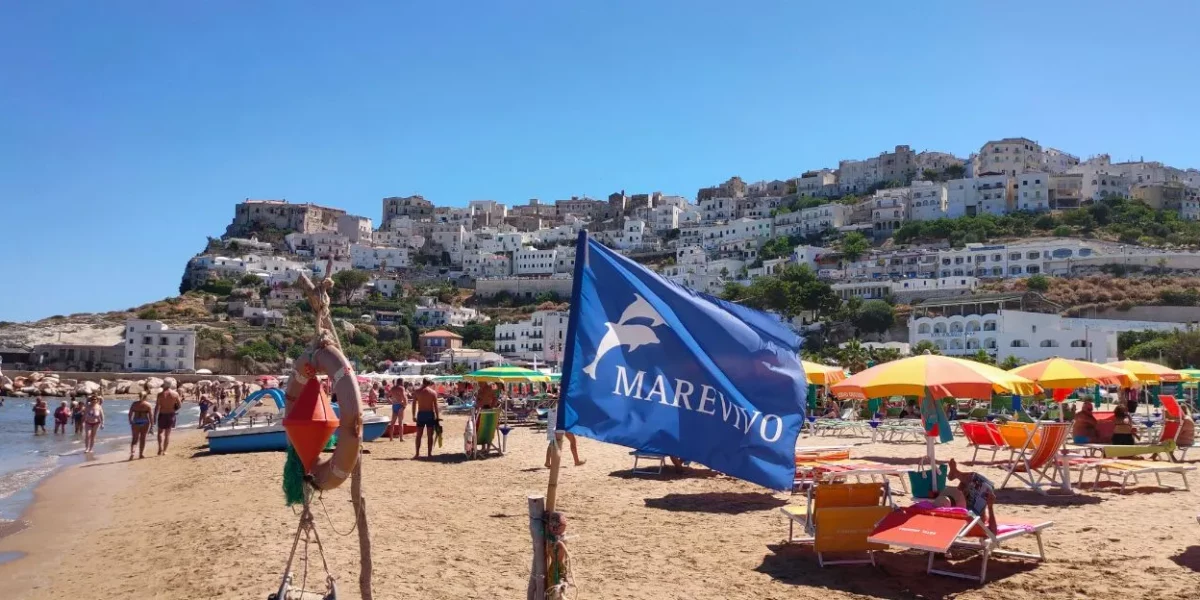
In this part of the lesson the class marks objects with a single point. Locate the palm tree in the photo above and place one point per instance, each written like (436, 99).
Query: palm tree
(853, 356)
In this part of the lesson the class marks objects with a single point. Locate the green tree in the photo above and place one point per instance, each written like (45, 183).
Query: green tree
(1009, 363)
(853, 355)
(924, 346)
(854, 245)
(1062, 231)
(1038, 283)
(349, 281)
(954, 172)
(981, 356)
(249, 280)
(876, 316)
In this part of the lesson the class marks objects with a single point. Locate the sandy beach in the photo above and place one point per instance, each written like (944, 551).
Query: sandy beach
(193, 525)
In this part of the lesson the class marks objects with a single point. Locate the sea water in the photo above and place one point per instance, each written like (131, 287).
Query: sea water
(26, 459)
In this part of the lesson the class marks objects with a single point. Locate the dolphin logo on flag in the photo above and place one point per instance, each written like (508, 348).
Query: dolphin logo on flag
(620, 334)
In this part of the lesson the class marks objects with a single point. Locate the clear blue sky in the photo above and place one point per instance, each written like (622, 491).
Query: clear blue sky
(128, 130)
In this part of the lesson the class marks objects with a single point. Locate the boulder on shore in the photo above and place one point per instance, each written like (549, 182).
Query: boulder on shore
(87, 388)
(123, 386)
(153, 382)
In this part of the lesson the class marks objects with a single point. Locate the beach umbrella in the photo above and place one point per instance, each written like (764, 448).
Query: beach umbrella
(933, 377)
(940, 376)
(506, 374)
(819, 374)
(557, 377)
(448, 378)
(1147, 372)
(1191, 375)
(1065, 373)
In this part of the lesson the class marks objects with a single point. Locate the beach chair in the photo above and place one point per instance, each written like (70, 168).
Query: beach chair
(1037, 463)
(1126, 469)
(479, 440)
(1164, 443)
(838, 517)
(657, 462)
(937, 530)
(983, 436)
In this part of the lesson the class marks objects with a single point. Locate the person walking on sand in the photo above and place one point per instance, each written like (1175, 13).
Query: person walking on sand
(93, 421)
(39, 415)
(551, 421)
(140, 413)
(399, 400)
(62, 415)
(77, 416)
(425, 414)
(164, 416)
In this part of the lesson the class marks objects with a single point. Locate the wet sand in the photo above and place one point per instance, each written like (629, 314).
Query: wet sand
(193, 525)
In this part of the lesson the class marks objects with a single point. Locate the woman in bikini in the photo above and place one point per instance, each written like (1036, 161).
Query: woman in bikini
(93, 421)
(140, 413)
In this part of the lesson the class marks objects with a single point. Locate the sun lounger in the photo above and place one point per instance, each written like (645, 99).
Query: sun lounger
(983, 436)
(838, 517)
(657, 461)
(937, 530)
(1164, 442)
(1126, 469)
(1037, 463)
(838, 470)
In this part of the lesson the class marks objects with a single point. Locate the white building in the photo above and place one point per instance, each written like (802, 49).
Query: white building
(665, 217)
(889, 209)
(373, 258)
(816, 219)
(541, 337)
(1011, 260)
(928, 201)
(486, 264)
(355, 229)
(531, 261)
(152, 346)
(855, 176)
(322, 244)
(961, 327)
(397, 239)
(716, 209)
(1031, 191)
(817, 183)
(1056, 161)
(1010, 156)
(986, 194)
(438, 315)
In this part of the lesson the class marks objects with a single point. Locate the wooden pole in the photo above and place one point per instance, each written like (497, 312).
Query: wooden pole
(537, 532)
(555, 462)
(552, 497)
(364, 534)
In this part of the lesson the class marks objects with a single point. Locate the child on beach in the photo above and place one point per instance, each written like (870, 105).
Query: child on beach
(77, 416)
(61, 415)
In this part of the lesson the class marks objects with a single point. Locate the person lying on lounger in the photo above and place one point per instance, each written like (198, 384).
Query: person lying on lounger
(974, 493)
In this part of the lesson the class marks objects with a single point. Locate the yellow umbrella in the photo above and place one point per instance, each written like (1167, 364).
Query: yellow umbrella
(932, 377)
(1065, 373)
(1147, 372)
(819, 374)
(939, 376)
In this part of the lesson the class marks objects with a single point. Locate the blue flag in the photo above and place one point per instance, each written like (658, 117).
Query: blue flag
(656, 367)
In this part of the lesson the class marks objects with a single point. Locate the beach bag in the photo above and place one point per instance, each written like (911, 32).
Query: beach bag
(921, 481)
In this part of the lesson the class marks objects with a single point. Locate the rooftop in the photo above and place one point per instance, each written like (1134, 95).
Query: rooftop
(442, 333)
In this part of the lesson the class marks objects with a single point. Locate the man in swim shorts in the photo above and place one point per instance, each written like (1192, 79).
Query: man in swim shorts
(164, 415)
(425, 414)
(399, 399)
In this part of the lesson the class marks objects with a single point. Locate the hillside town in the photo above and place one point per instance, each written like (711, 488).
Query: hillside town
(881, 228)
